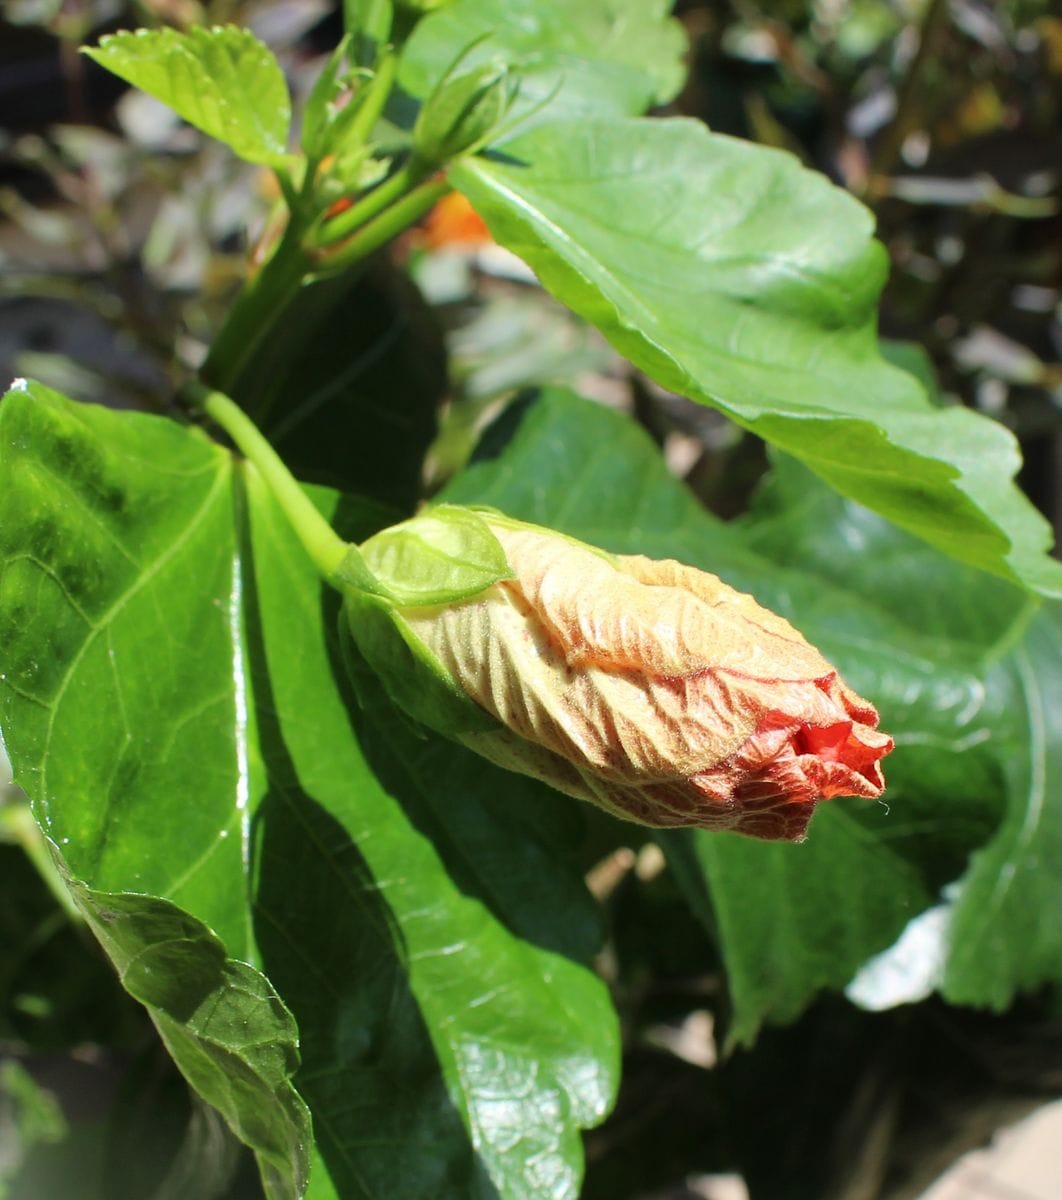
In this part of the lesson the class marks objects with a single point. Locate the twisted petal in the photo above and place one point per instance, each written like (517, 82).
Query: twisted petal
(653, 690)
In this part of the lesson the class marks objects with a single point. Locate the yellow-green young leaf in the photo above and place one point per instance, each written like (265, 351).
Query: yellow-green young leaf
(732, 275)
(222, 80)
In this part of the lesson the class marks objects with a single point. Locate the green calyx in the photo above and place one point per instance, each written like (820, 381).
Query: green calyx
(441, 556)
(410, 674)
(446, 555)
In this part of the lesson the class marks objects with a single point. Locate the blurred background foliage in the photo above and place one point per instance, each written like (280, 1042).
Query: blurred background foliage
(123, 235)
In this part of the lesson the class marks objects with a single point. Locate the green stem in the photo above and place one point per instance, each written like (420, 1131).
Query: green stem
(375, 97)
(322, 543)
(352, 219)
(259, 304)
(378, 232)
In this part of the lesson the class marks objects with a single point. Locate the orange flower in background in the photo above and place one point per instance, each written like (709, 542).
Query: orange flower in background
(453, 222)
(651, 689)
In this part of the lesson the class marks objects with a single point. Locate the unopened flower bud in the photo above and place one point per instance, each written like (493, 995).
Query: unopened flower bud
(462, 112)
(649, 688)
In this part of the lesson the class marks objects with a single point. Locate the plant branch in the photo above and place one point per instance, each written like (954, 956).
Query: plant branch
(378, 232)
(371, 205)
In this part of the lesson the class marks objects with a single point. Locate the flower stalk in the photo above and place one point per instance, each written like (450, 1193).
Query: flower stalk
(322, 543)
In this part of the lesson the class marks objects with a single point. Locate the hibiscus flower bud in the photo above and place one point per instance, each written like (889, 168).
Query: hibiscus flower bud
(649, 688)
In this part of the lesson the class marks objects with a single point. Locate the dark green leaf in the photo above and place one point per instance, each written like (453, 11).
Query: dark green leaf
(1002, 935)
(222, 80)
(798, 522)
(432, 950)
(731, 274)
(989, 940)
(348, 384)
(603, 55)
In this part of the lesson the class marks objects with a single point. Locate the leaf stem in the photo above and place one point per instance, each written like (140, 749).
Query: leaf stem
(322, 543)
(378, 232)
(371, 205)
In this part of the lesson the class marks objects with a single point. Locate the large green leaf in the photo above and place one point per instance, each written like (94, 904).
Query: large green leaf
(433, 957)
(988, 940)
(222, 80)
(799, 523)
(186, 738)
(123, 708)
(733, 275)
(121, 702)
(596, 56)
(793, 919)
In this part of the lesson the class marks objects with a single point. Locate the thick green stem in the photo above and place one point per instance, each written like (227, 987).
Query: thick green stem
(322, 543)
(262, 300)
(378, 232)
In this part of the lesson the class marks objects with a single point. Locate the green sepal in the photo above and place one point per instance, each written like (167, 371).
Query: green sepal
(462, 113)
(411, 675)
(365, 683)
(443, 555)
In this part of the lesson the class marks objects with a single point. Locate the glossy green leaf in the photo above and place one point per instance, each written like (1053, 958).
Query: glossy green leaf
(791, 919)
(415, 909)
(444, 554)
(797, 522)
(617, 56)
(222, 80)
(440, 933)
(118, 551)
(988, 940)
(129, 731)
(732, 275)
